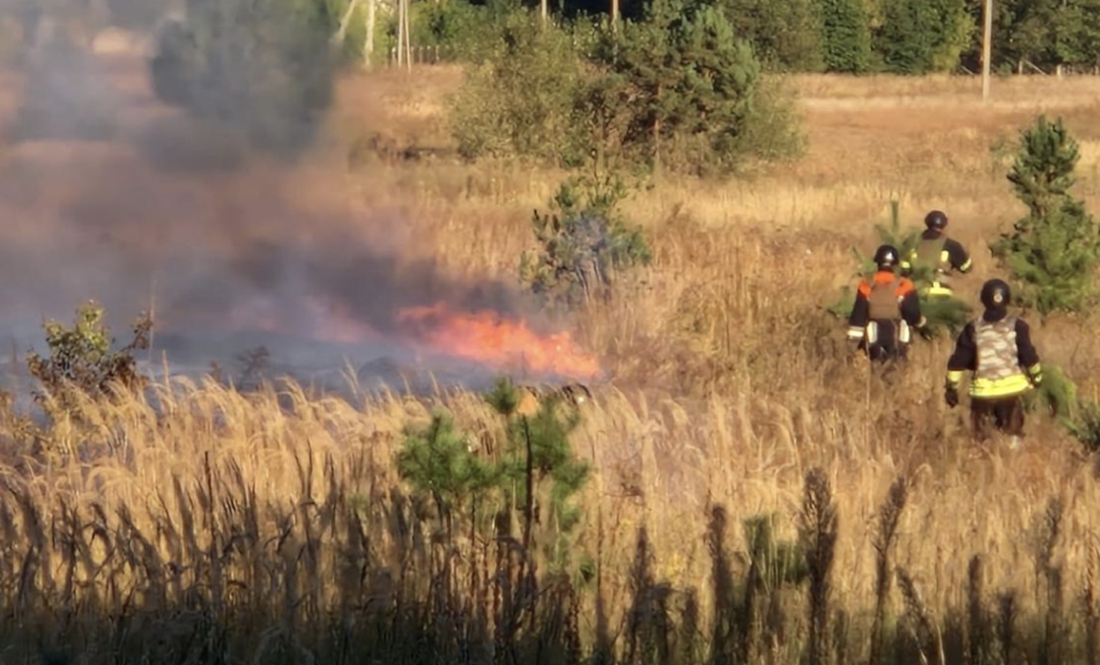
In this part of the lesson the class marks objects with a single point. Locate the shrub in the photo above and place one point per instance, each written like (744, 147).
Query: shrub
(520, 101)
(1053, 251)
(676, 90)
(80, 358)
(582, 242)
(534, 468)
(686, 86)
(261, 67)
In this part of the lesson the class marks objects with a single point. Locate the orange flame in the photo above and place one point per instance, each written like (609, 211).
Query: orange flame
(489, 338)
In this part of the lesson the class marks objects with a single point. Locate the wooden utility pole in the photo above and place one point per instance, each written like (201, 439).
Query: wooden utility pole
(368, 44)
(408, 39)
(400, 32)
(987, 47)
(614, 14)
(544, 7)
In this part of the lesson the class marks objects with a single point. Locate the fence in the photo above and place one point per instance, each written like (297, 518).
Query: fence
(423, 55)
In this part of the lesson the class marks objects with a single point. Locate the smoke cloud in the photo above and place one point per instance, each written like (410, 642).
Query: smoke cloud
(107, 194)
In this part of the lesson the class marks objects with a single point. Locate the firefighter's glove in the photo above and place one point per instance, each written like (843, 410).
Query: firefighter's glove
(951, 396)
(1035, 375)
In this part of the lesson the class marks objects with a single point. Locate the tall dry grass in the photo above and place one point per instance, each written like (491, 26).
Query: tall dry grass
(272, 526)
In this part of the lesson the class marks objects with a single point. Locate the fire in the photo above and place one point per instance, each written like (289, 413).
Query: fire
(489, 338)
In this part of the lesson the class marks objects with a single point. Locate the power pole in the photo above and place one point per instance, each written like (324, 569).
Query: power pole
(400, 33)
(544, 7)
(615, 14)
(987, 47)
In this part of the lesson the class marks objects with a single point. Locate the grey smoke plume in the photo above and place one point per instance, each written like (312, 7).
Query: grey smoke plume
(161, 201)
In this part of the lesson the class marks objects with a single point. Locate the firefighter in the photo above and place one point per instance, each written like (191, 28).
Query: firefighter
(997, 348)
(943, 254)
(886, 309)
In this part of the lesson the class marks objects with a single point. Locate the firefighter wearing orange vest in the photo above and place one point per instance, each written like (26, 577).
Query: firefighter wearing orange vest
(945, 255)
(997, 348)
(886, 310)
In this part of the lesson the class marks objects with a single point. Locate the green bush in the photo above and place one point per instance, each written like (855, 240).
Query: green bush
(534, 473)
(677, 90)
(81, 358)
(582, 243)
(686, 86)
(786, 36)
(1053, 251)
(521, 100)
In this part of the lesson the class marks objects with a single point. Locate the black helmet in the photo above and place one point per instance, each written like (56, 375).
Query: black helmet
(936, 220)
(996, 294)
(886, 257)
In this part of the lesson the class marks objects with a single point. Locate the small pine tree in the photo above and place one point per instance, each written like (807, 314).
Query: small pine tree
(539, 458)
(786, 36)
(536, 461)
(582, 242)
(847, 36)
(1053, 251)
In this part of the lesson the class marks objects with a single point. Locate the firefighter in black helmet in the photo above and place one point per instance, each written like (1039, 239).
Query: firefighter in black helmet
(887, 307)
(942, 254)
(997, 348)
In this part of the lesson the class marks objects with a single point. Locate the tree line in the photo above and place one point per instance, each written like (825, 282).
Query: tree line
(910, 37)
(842, 36)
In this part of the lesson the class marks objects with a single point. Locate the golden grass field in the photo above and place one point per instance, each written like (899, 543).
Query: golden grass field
(728, 380)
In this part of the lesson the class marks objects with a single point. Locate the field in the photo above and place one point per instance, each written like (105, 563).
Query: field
(231, 528)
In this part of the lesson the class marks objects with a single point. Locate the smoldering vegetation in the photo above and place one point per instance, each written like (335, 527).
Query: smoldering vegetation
(108, 194)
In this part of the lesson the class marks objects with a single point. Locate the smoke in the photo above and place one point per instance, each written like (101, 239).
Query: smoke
(155, 208)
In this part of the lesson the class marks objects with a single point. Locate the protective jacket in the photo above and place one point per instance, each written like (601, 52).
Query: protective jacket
(886, 297)
(945, 255)
(997, 348)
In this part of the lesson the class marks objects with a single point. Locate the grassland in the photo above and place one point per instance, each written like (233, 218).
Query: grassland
(229, 529)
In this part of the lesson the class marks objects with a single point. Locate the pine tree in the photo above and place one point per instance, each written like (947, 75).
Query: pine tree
(847, 36)
(687, 84)
(922, 36)
(786, 36)
(1053, 251)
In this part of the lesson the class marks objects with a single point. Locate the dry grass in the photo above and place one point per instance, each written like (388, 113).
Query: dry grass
(729, 384)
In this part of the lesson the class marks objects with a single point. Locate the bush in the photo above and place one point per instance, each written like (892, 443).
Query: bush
(521, 100)
(677, 90)
(786, 36)
(1053, 251)
(262, 67)
(535, 473)
(687, 85)
(81, 358)
(582, 243)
